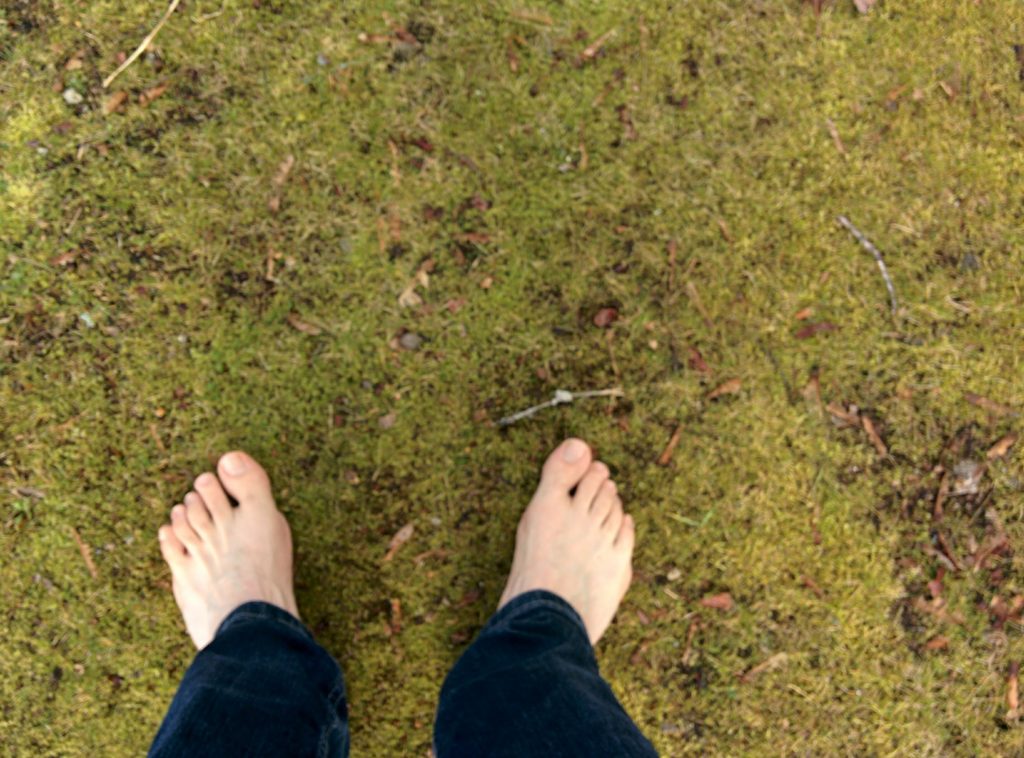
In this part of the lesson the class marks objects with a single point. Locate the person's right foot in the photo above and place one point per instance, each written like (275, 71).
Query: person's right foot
(574, 539)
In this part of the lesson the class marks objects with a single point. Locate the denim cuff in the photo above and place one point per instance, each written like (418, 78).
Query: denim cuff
(533, 601)
(257, 610)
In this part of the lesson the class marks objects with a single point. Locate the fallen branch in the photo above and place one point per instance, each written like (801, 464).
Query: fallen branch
(859, 236)
(142, 45)
(561, 397)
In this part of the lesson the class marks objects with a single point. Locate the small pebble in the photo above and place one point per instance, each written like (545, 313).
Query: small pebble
(410, 341)
(72, 96)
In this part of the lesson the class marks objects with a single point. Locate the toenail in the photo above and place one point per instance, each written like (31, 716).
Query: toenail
(573, 450)
(203, 479)
(233, 464)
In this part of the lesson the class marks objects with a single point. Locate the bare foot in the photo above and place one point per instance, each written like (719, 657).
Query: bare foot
(574, 539)
(222, 556)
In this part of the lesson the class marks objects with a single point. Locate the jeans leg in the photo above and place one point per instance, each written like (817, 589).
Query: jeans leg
(529, 686)
(262, 687)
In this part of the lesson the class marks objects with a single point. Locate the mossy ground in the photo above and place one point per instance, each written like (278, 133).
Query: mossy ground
(141, 337)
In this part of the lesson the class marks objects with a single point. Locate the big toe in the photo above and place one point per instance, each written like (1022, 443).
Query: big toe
(566, 465)
(244, 479)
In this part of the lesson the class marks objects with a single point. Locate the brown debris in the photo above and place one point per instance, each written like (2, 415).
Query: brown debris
(813, 586)
(605, 317)
(694, 296)
(691, 632)
(114, 102)
(396, 616)
(722, 601)
(592, 50)
(769, 664)
(1013, 692)
(149, 95)
(804, 313)
(696, 361)
(303, 326)
(996, 409)
(402, 536)
(628, 129)
(283, 169)
(834, 133)
(728, 387)
(809, 330)
(937, 643)
(673, 441)
(876, 440)
(1002, 446)
(947, 550)
(86, 552)
(842, 416)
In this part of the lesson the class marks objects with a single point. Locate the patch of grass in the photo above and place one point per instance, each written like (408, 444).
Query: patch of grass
(142, 336)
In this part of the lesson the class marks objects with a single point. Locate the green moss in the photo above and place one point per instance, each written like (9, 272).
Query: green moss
(127, 369)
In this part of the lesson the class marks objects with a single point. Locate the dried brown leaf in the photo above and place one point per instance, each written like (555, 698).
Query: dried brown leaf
(402, 536)
(769, 664)
(149, 95)
(696, 361)
(1002, 446)
(114, 102)
(605, 317)
(303, 326)
(728, 387)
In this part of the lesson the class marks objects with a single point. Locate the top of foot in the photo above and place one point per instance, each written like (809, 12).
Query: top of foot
(574, 539)
(223, 555)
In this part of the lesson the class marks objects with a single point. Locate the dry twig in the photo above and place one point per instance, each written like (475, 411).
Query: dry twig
(859, 236)
(142, 45)
(561, 396)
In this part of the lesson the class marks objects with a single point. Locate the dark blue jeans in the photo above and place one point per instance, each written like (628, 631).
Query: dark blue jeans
(528, 686)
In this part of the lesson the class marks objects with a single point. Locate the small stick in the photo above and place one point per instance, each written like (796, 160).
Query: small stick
(859, 236)
(83, 548)
(561, 396)
(142, 45)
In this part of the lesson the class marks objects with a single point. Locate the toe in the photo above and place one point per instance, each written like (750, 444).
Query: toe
(198, 516)
(170, 546)
(627, 534)
(590, 484)
(566, 465)
(613, 522)
(183, 530)
(604, 501)
(245, 480)
(208, 487)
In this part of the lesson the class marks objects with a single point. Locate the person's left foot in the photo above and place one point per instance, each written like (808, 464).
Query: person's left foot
(221, 555)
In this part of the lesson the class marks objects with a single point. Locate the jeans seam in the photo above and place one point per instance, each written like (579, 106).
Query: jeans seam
(560, 606)
(286, 618)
